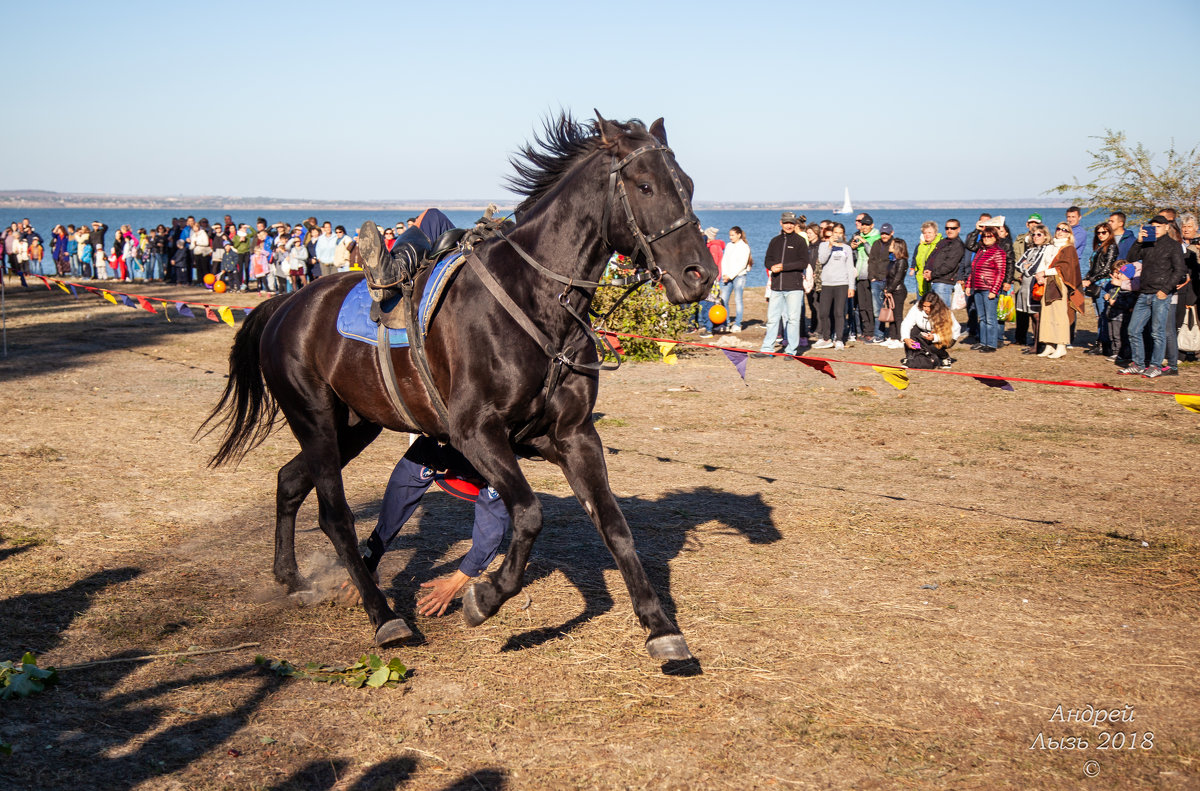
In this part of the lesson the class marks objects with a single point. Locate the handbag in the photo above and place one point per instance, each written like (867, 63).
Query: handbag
(887, 312)
(1038, 291)
(1189, 331)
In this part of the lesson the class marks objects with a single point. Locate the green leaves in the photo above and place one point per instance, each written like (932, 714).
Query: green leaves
(24, 678)
(369, 671)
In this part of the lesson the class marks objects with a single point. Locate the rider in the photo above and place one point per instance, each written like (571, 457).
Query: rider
(415, 471)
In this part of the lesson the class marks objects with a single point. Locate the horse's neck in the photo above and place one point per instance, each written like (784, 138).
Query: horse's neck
(564, 242)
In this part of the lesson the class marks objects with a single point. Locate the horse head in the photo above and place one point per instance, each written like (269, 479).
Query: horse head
(648, 211)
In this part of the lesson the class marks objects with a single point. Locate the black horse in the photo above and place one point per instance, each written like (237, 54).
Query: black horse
(508, 351)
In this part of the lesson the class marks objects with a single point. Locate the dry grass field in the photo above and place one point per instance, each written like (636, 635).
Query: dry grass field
(883, 589)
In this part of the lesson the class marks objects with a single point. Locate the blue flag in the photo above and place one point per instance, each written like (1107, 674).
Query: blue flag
(739, 361)
(184, 310)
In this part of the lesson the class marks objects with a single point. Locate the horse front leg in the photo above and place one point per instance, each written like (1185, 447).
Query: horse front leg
(580, 455)
(487, 448)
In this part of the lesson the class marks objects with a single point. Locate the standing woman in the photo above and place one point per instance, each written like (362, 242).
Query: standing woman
(58, 251)
(894, 288)
(201, 243)
(988, 270)
(1026, 306)
(1104, 257)
(1060, 277)
(735, 265)
(837, 276)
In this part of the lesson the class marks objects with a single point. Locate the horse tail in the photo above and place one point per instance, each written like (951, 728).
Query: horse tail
(247, 409)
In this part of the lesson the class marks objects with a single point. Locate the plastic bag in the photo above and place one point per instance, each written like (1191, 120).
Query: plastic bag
(1006, 308)
(959, 299)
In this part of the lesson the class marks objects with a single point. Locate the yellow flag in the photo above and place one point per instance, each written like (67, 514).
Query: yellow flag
(226, 315)
(166, 312)
(665, 350)
(1189, 401)
(896, 377)
(64, 288)
(109, 297)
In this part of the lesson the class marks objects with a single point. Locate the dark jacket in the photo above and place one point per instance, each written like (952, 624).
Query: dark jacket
(877, 260)
(791, 250)
(1162, 265)
(1102, 263)
(897, 270)
(943, 263)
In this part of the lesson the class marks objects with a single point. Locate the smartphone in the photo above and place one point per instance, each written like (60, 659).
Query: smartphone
(1150, 235)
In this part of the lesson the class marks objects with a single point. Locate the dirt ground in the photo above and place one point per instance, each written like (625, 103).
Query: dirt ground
(882, 589)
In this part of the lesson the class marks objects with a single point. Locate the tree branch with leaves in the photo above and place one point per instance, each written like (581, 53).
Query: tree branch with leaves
(1126, 178)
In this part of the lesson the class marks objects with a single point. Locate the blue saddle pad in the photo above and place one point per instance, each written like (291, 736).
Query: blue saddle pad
(354, 317)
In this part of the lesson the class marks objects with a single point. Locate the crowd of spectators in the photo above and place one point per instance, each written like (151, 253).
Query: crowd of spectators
(832, 292)
(264, 257)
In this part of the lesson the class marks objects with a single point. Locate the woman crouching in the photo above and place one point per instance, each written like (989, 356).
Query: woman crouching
(929, 331)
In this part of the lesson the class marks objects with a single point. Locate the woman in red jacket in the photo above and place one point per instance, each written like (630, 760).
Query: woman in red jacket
(986, 283)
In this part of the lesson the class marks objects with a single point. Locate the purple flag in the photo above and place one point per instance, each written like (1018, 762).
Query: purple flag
(246, 311)
(127, 302)
(74, 293)
(738, 359)
(993, 381)
(184, 310)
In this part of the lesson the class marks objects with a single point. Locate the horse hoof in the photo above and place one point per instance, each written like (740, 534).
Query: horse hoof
(392, 631)
(667, 647)
(472, 613)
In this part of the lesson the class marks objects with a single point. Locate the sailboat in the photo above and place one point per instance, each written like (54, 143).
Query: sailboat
(846, 207)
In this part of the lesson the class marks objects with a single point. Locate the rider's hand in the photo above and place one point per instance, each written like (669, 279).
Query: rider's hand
(441, 593)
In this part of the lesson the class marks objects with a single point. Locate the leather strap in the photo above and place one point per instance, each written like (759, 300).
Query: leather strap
(416, 348)
(506, 302)
(389, 376)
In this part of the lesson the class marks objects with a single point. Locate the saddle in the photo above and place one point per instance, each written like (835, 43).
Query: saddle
(389, 277)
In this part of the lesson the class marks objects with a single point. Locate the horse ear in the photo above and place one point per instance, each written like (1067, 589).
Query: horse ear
(605, 127)
(659, 130)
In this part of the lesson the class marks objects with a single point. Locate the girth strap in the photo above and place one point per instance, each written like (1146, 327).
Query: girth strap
(416, 349)
(389, 376)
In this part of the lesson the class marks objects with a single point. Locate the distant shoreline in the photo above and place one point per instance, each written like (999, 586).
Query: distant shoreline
(40, 199)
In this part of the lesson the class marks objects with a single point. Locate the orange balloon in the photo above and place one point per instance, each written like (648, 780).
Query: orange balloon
(209, 279)
(219, 286)
(717, 314)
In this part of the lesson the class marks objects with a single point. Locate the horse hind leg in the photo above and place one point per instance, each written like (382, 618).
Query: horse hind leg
(294, 485)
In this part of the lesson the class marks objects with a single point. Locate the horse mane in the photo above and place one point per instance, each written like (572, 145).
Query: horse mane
(563, 143)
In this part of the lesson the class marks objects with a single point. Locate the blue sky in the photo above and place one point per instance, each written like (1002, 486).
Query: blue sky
(763, 101)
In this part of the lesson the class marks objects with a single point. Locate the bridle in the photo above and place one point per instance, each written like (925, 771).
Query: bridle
(646, 270)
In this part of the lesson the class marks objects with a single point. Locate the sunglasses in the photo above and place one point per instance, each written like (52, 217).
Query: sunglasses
(952, 227)
(1103, 232)
(989, 236)
(1062, 230)
(1039, 233)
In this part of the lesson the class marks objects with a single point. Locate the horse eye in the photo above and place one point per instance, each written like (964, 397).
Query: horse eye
(646, 189)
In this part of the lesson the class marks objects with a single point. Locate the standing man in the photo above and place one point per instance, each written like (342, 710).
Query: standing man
(787, 256)
(1122, 237)
(1024, 240)
(1162, 272)
(877, 270)
(1077, 232)
(861, 243)
(941, 268)
(326, 249)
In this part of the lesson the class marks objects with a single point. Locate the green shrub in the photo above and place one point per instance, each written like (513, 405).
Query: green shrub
(644, 312)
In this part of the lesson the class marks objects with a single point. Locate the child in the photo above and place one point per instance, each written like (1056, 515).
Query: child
(179, 261)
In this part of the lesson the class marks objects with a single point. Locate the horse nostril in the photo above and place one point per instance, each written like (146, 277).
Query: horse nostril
(695, 272)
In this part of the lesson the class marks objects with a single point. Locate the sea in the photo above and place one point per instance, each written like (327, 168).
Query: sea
(759, 225)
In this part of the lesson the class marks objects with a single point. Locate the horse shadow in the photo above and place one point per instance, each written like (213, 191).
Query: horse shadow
(99, 733)
(663, 527)
(387, 775)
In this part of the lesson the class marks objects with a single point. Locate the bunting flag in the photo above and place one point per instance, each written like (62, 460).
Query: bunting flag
(738, 359)
(166, 312)
(64, 288)
(208, 314)
(127, 302)
(614, 341)
(1099, 385)
(821, 365)
(246, 311)
(226, 315)
(184, 310)
(74, 293)
(896, 377)
(995, 381)
(1191, 402)
(668, 356)
(144, 304)
(46, 280)
(109, 297)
